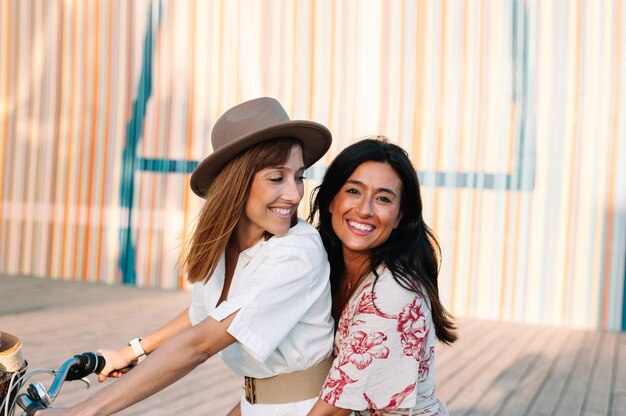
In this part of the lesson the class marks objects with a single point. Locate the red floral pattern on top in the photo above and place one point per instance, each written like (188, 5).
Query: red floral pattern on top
(352, 312)
(384, 349)
(335, 384)
(393, 402)
(425, 365)
(367, 303)
(344, 324)
(413, 328)
(361, 349)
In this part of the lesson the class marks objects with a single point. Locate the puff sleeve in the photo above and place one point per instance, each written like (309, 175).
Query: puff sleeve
(384, 351)
(274, 296)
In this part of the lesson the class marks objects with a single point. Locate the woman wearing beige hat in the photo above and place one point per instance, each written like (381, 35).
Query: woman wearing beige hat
(261, 292)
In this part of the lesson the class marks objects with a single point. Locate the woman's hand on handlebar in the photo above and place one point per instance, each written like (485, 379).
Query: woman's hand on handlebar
(118, 362)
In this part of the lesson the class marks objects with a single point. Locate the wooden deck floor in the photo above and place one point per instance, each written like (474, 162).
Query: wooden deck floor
(495, 368)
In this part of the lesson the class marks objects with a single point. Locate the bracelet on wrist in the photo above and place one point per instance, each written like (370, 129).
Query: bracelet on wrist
(138, 350)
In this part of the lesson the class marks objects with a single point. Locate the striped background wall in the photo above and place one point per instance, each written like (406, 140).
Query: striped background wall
(514, 113)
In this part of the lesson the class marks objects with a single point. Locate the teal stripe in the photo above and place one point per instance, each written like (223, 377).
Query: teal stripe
(167, 165)
(129, 157)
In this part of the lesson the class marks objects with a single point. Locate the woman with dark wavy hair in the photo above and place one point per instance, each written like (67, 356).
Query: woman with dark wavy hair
(384, 266)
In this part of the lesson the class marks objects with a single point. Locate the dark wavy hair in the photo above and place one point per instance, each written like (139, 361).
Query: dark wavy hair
(411, 252)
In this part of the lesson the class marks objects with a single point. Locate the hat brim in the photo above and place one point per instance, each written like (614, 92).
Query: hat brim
(315, 139)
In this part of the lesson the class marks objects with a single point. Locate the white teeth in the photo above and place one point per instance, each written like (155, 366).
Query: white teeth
(281, 211)
(361, 227)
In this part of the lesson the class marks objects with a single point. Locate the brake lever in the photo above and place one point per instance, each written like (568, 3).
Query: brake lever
(86, 381)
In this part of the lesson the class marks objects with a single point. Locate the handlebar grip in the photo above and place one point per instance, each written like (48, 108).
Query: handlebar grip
(33, 407)
(87, 363)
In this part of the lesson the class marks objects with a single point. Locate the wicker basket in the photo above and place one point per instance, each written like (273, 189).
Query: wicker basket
(5, 382)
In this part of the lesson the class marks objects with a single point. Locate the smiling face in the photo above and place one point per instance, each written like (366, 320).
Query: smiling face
(273, 199)
(366, 209)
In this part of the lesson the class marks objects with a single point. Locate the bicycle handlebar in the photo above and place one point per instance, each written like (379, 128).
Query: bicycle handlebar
(86, 363)
(75, 368)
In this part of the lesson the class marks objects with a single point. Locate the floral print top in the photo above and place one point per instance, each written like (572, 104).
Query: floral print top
(385, 351)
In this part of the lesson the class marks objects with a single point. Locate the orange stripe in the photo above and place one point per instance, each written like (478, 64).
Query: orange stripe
(222, 61)
(139, 179)
(419, 82)
(92, 154)
(516, 248)
(385, 65)
(68, 170)
(479, 124)
(12, 171)
(516, 251)
(129, 61)
(385, 92)
(28, 76)
(4, 119)
(312, 61)
(237, 55)
(455, 252)
(573, 157)
(507, 219)
(294, 60)
(53, 226)
(458, 192)
(328, 157)
(190, 119)
(331, 93)
(138, 204)
(441, 108)
(12, 130)
(40, 251)
(507, 214)
(610, 208)
(29, 165)
(81, 150)
(41, 170)
(168, 140)
(155, 153)
(105, 148)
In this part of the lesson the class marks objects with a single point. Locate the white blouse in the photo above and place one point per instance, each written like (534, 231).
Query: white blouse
(281, 289)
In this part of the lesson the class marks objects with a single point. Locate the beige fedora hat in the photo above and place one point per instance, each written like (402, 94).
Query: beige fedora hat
(250, 123)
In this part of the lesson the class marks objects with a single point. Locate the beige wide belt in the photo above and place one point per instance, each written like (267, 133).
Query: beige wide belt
(288, 387)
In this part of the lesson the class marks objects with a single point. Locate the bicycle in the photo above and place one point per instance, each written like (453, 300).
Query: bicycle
(37, 397)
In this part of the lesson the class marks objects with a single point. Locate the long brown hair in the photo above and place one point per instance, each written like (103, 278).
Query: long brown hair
(224, 204)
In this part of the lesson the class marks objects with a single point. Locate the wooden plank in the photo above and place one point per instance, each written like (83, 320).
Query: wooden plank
(598, 395)
(470, 332)
(572, 400)
(469, 384)
(552, 386)
(494, 386)
(465, 351)
(618, 401)
(618, 406)
(215, 390)
(512, 390)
